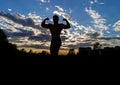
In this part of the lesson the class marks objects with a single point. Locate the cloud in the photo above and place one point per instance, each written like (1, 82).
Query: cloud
(34, 46)
(109, 38)
(94, 35)
(59, 8)
(24, 35)
(12, 26)
(21, 33)
(18, 19)
(70, 10)
(116, 26)
(92, 2)
(32, 20)
(44, 1)
(9, 9)
(98, 21)
(47, 8)
(41, 37)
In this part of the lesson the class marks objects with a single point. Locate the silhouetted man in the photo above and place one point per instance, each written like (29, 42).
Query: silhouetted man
(55, 30)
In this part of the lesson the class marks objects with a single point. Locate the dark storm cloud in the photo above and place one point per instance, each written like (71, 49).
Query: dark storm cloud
(41, 37)
(18, 18)
(109, 38)
(44, 37)
(21, 33)
(63, 38)
(34, 46)
(93, 35)
(86, 44)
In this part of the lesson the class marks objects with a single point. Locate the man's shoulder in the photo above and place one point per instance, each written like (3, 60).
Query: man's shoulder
(50, 25)
(61, 24)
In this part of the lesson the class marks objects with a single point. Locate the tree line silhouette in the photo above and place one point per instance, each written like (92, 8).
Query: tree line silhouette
(10, 54)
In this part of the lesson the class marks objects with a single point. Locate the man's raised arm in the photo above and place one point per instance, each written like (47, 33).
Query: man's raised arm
(67, 25)
(43, 24)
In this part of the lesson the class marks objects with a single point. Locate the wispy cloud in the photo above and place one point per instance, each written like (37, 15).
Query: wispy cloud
(32, 20)
(98, 21)
(109, 38)
(18, 18)
(59, 8)
(47, 8)
(44, 1)
(9, 9)
(116, 26)
(92, 2)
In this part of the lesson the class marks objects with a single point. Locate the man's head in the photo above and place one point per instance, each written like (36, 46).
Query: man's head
(55, 18)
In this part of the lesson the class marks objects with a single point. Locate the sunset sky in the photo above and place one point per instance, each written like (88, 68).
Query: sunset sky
(91, 21)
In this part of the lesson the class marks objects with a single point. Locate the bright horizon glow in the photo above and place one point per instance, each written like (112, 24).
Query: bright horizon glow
(91, 21)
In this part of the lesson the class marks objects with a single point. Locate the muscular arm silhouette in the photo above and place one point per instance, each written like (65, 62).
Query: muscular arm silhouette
(67, 25)
(43, 24)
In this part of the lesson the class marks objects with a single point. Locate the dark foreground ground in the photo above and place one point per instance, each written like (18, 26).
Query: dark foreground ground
(31, 58)
(73, 59)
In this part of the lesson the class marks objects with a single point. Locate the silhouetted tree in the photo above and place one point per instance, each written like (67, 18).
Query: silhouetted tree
(3, 37)
(44, 52)
(97, 46)
(30, 51)
(71, 52)
(8, 51)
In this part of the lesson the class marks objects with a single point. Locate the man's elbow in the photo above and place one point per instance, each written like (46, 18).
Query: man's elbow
(42, 25)
(68, 26)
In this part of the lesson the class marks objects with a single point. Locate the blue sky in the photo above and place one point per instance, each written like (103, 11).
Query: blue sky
(91, 21)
